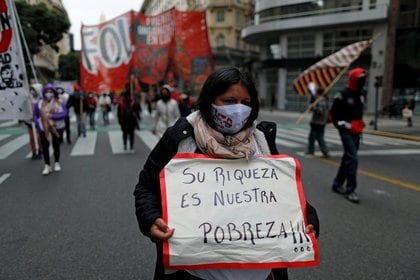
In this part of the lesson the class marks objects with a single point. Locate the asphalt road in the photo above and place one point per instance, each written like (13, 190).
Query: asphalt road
(80, 223)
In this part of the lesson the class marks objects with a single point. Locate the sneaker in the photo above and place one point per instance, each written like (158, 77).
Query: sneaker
(326, 155)
(57, 167)
(34, 156)
(353, 197)
(339, 190)
(47, 170)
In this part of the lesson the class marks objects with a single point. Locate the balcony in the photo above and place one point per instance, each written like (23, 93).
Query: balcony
(270, 26)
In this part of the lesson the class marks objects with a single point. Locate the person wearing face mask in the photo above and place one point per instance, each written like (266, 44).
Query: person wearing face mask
(224, 126)
(48, 115)
(347, 117)
(167, 111)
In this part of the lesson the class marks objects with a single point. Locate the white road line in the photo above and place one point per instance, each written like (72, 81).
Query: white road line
(13, 145)
(285, 143)
(117, 147)
(85, 146)
(9, 123)
(3, 177)
(4, 136)
(388, 152)
(148, 138)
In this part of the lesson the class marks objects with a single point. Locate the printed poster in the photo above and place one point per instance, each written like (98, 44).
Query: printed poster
(14, 99)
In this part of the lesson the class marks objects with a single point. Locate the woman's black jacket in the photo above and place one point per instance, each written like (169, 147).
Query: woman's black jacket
(147, 191)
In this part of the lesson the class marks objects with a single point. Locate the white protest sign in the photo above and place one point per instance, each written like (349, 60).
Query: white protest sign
(235, 213)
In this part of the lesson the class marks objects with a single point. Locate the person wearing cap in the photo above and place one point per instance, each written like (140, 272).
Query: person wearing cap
(48, 115)
(347, 117)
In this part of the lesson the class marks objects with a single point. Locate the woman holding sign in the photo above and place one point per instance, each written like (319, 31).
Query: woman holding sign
(223, 127)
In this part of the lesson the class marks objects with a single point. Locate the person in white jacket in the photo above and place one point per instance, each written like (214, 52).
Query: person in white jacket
(167, 111)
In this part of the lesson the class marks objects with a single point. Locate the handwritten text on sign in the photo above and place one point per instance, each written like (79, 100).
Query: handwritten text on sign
(235, 213)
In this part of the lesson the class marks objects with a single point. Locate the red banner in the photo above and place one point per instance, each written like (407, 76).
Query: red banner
(106, 55)
(148, 47)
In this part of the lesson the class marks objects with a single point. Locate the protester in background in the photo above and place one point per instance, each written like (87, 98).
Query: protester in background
(91, 109)
(64, 97)
(318, 121)
(78, 102)
(105, 105)
(227, 92)
(49, 114)
(34, 139)
(347, 116)
(184, 104)
(167, 111)
(128, 117)
(408, 115)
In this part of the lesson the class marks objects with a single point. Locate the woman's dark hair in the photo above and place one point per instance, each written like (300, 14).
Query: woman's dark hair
(218, 83)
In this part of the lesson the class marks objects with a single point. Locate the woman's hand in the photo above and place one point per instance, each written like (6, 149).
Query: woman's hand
(310, 229)
(160, 230)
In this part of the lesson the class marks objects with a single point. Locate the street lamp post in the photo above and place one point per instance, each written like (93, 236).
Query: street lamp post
(378, 84)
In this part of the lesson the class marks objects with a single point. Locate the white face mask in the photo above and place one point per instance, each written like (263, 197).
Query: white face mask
(230, 119)
(49, 96)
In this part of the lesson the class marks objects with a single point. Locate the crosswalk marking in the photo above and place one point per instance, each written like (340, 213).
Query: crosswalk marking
(85, 145)
(4, 136)
(148, 138)
(111, 116)
(294, 138)
(3, 177)
(12, 146)
(388, 152)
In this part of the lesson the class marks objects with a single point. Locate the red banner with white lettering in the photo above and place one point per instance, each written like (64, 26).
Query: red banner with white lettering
(148, 47)
(106, 55)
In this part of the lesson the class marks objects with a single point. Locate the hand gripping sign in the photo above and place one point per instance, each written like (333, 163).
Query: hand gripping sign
(235, 213)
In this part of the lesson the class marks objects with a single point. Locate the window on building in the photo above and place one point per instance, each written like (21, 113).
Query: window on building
(220, 16)
(220, 40)
(238, 18)
(300, 46)
(336, 39)
(275, 50)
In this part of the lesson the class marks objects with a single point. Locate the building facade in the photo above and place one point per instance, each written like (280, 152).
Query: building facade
(225, 21)
(47, 59)
(294, 34)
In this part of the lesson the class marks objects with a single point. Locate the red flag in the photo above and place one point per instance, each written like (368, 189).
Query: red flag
(325, 71)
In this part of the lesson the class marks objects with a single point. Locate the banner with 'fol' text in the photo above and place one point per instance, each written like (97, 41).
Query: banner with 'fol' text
(148, 47)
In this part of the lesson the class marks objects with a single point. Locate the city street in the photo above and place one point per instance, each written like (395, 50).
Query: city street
(80, 223)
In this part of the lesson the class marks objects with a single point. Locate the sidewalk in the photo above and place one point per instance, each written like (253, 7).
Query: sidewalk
(395, 128)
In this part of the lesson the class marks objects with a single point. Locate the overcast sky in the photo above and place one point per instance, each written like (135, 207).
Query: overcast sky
(88, 12)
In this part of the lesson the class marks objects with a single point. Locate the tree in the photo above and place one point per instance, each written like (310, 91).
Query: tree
(41, 25)
(69, 66)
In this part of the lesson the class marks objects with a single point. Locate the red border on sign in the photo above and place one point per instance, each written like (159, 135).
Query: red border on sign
(236, 265)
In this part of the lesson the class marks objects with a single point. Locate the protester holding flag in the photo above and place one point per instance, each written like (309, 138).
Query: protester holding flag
(227, 93)
(347, 117)
(49, 114)
(34, 138)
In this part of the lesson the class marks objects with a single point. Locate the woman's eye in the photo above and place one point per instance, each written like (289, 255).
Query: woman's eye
(247, 103)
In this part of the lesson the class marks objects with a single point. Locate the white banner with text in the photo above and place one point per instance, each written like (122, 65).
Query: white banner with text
(235, 213)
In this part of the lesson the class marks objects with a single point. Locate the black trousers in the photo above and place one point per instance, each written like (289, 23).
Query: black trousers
(56, 142)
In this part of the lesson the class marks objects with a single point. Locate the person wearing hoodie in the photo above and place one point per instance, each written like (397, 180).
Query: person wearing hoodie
(347, 117)
(167, 111)
(48, 115)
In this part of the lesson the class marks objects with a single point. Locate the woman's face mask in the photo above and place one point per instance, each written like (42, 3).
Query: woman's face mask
(230, 119)
(49, 96)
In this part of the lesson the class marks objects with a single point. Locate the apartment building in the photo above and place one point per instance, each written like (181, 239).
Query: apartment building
(225, 21)
(294, 34)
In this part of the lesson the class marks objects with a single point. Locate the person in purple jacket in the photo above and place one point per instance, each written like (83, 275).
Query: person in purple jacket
(49, 114)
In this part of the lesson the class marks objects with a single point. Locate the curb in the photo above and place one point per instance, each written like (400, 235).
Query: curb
(393, 135)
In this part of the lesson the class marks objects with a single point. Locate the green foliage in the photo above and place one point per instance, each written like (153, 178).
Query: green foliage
(41, 25)
(69, 66)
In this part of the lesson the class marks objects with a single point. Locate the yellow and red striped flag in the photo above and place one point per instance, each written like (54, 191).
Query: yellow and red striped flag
(325, 71)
